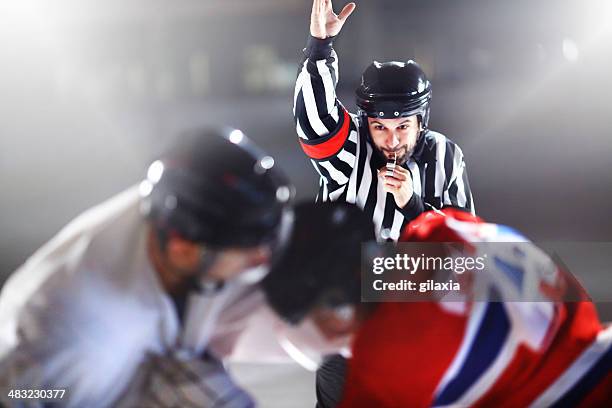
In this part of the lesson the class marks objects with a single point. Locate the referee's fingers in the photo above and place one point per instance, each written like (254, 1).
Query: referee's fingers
(399, 175)
(406, 173)
(395, 174)
(402, 170)
(391, 182)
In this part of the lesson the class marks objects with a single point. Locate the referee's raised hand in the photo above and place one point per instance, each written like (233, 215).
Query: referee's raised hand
(324, 22)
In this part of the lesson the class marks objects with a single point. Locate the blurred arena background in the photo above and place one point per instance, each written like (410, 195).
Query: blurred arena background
(90, 91)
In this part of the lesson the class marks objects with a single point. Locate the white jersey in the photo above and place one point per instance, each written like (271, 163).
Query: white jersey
(86, 308)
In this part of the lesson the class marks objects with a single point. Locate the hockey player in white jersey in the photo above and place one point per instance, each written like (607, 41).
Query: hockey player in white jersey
(157, 281)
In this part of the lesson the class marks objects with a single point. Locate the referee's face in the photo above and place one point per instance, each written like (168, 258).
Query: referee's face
(395, 136)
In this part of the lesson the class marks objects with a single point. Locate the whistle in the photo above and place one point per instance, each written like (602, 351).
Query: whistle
(391, 165)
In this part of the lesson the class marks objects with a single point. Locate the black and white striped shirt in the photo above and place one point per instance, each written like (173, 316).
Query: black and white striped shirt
(343, 155)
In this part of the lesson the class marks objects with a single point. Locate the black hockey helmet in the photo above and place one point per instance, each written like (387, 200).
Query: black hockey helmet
(321, 263)
(216, 187)
(394, 89)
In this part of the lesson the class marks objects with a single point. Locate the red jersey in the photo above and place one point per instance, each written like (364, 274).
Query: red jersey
(483, 354)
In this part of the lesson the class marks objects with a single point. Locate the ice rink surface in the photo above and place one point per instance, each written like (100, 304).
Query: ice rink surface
(276, 385)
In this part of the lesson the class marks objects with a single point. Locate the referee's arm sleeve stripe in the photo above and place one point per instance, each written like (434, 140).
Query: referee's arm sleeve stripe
(315, 101)
(329, 181)
(347, 157)
(319, 93)
(334, 67)
(329, 89)
(300, 132)
(342, 166)
(310, 107)
(299, 82)
(301, 119)
(337, 176)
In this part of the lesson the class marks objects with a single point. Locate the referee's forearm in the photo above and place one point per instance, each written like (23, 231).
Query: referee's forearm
(316, 109)
(319, 49)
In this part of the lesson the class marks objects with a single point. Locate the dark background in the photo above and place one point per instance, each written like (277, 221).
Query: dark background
(90, 91)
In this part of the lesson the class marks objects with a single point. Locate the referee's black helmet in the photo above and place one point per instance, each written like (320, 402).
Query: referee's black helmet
(321, 262)
(394, 89)
(216, 187)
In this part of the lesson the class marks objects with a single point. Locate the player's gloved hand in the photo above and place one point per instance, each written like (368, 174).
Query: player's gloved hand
(172, 380)
(324, 22)
(398, 183)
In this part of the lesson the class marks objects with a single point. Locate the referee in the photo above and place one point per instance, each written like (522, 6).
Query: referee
(384, 159)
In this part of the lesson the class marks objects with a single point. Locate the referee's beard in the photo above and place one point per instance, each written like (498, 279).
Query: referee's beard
(403, 152)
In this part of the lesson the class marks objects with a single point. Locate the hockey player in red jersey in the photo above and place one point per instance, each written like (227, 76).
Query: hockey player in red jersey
(421, 354)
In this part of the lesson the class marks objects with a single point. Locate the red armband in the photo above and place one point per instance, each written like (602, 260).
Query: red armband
(330, 145)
